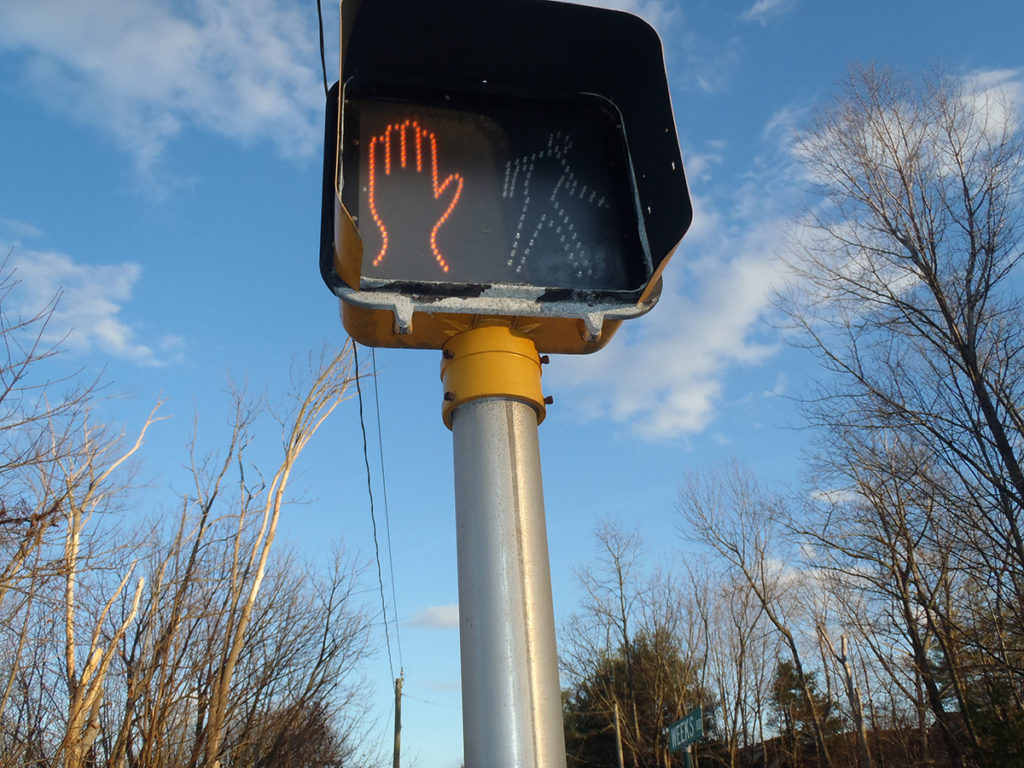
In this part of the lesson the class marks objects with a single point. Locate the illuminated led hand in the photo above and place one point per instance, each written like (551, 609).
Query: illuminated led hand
(407, 196)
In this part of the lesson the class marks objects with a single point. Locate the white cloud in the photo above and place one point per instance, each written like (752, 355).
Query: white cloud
(779, 388)
(700, 165)
(782, 128)
(763, 11)
(1008, 80)
(711, 64)
(436, 617)
(18, 230)
(665, 375)
(144, 69)
(996, 98)
(837, 496)
(87, 315)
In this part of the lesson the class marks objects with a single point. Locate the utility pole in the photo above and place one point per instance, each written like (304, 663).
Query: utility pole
(398, 721)
(618, 736)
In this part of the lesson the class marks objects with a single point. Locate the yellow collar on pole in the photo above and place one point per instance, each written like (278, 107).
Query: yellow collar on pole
(490, 361)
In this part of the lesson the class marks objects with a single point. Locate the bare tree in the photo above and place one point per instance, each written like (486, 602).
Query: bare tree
(209, 619)
(624, 657)
(728, 512)
(41, 411)
(852, 690)
(907, 289)
(57, 470)
(736, 652)
(886, 548)
(614, 596)
(181, 642)
(88, 485)
(328, 387)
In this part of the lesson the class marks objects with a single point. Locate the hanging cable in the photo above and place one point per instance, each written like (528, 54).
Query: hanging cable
(373, 518)
(380, 439)
(433, 703)
(323, 56)
(387, 516)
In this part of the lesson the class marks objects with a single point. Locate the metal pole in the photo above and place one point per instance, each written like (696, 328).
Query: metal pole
(618, 737)
(511, 700)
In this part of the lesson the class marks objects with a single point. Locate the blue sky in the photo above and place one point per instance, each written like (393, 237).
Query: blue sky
(161, 162)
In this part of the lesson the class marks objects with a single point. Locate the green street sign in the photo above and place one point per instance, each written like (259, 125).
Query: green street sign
(686, 731)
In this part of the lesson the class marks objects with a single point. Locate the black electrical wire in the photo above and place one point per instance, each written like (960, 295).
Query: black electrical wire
(323, 56)
(373, 518)
(362, 425)
(387, 516)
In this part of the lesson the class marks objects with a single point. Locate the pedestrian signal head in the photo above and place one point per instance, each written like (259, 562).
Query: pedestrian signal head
(515, 177)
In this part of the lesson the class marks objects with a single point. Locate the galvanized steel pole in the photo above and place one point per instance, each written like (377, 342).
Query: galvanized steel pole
(511, 705)
(511, 699)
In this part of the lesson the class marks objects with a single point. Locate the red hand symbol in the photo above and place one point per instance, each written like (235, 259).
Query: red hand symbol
(398, 159)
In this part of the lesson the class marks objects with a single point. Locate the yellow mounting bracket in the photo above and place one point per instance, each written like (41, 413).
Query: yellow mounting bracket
(490, 361)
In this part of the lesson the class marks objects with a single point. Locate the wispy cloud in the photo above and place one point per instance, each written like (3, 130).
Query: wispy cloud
(997, 97)
(18, 230)
(143, 70)
(87, 316)
(435, 617)
(764, 11)
(837, 496)
(712, 63)
(666, 378)
(1008, 80)
(700, 165)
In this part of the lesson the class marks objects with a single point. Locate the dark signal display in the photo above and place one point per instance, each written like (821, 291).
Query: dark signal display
(476, 190)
